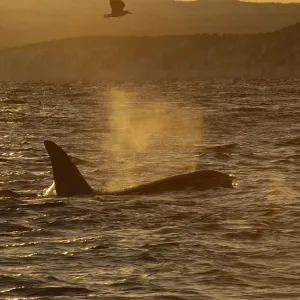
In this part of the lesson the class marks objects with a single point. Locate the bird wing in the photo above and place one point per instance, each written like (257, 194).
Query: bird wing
(116, 5)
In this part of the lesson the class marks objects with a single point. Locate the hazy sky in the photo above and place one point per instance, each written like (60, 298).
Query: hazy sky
(260, 1)
(281, 1)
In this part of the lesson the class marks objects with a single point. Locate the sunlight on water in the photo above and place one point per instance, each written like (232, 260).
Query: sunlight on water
(224, 244)
(279, 189)
(143, 132)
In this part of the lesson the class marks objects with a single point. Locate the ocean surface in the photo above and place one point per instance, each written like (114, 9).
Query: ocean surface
(241, 243)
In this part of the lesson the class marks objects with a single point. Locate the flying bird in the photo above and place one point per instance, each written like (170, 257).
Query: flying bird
(117, 9)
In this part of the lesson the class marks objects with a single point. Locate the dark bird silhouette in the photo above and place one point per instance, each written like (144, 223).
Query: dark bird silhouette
(117, 9)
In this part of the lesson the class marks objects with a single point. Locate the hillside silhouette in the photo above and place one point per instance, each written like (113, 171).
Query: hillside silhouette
(32, 21)
(274, 54)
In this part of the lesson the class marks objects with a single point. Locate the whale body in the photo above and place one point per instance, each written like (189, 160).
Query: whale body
(70, 182)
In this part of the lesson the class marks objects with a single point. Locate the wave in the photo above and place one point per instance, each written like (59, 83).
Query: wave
(44, 205)
(8, 194)
(6, 227)
(295, 141)
(226, 148)
(251, 109)
(12, 101)
(46, 291)
(59, 291)
(20, 91)
(245, 234)
(78, 95)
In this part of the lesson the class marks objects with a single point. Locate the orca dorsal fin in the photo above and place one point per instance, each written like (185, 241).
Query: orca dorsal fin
(68, 179)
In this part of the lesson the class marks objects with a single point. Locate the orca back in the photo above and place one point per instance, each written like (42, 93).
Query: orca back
(68, 179)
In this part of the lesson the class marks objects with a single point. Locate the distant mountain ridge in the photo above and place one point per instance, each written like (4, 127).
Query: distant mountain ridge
(271, 55)
(32, 21)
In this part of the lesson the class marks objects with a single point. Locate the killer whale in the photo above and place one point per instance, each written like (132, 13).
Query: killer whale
(70, 182)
